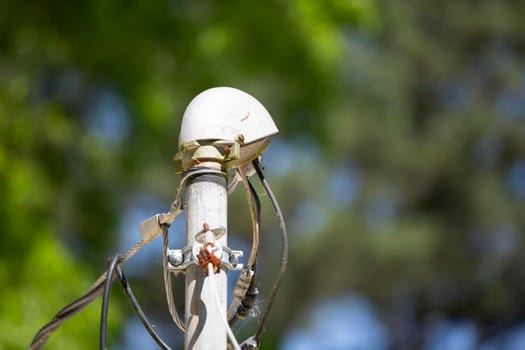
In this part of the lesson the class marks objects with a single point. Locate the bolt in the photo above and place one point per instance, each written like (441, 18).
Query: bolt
(175, 257)
(234, 260)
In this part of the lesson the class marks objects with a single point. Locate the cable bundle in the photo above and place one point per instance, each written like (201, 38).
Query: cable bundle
(245, 293)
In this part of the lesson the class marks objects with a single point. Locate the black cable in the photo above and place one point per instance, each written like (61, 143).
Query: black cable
(105, 302)
(138, 310)
(250, 297)
(284, 250)
(67, 312)
(257, 201)
(77, 305)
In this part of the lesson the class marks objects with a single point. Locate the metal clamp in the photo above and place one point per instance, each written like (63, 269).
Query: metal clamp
(181, 259)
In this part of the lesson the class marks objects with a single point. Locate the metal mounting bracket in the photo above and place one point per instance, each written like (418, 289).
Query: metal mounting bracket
(180, 259)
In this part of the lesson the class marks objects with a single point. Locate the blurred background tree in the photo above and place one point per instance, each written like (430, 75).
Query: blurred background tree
(400, 163)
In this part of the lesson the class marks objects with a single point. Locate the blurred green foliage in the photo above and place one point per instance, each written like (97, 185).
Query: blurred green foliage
(400, 162)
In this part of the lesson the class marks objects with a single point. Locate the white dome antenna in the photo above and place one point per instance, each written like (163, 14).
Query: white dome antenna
(235, 124)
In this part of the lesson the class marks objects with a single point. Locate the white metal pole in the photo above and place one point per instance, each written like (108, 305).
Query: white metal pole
(206, 202)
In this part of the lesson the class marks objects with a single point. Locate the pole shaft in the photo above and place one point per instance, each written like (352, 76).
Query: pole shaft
(206, 202)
